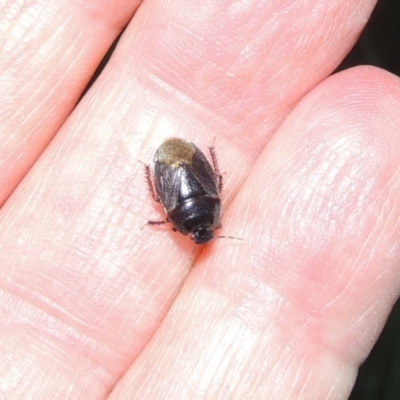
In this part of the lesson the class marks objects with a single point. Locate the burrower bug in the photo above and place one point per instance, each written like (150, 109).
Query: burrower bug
(188, 188)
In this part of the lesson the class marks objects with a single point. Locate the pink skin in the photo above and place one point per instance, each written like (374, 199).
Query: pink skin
(93, 306)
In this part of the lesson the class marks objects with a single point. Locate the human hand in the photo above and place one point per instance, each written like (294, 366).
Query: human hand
(91, 304)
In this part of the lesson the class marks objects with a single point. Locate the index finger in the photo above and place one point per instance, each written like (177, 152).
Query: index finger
(49, 51)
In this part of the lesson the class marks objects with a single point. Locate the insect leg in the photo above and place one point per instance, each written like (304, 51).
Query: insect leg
(216, 168)
(153, 223)
(150, 186)
(165, 221)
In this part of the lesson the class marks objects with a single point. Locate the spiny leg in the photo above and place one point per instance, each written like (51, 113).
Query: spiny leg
(216, 168)
(165, 221)
(147, 174)
(156, 223)
(152, 191)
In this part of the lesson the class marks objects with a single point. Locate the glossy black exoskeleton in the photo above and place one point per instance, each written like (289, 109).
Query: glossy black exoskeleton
(188, 189)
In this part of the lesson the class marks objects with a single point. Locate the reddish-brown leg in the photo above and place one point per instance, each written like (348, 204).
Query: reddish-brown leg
(150, 185)
(216, 168)
(165, 221)
(156, 223)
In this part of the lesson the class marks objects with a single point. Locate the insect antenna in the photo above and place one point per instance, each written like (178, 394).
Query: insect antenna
(228, 237)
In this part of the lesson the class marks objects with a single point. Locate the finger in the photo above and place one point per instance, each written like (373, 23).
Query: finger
(217, 68)
(49, 51)
(80, 260)
(291, 312)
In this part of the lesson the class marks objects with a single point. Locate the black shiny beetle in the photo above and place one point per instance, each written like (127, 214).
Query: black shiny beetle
(188, 189)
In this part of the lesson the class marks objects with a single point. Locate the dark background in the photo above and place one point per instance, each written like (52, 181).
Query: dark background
(379, 376)
(379, 45)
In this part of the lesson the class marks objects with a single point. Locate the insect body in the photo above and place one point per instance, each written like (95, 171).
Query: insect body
(188, 189)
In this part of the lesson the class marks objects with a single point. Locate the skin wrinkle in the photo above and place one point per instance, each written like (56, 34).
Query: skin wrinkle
(332, 391)
(25, 25)
(10, 377)
(7, 15)
(260, 297)
(276, 363)
(169, 75)
(66, 69)
(246, 358)
(212, 372)
(332, 327)
(22, 114)
(15, 377)
(185, 100)
(251, 364)
(36, 371)
(301, 381)
(330, 217)
(28, 118)
(349, 285)
(33, 30)
(45, 307)
(224, 361)
(373, 235)
(282, 373)
(329, 168)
